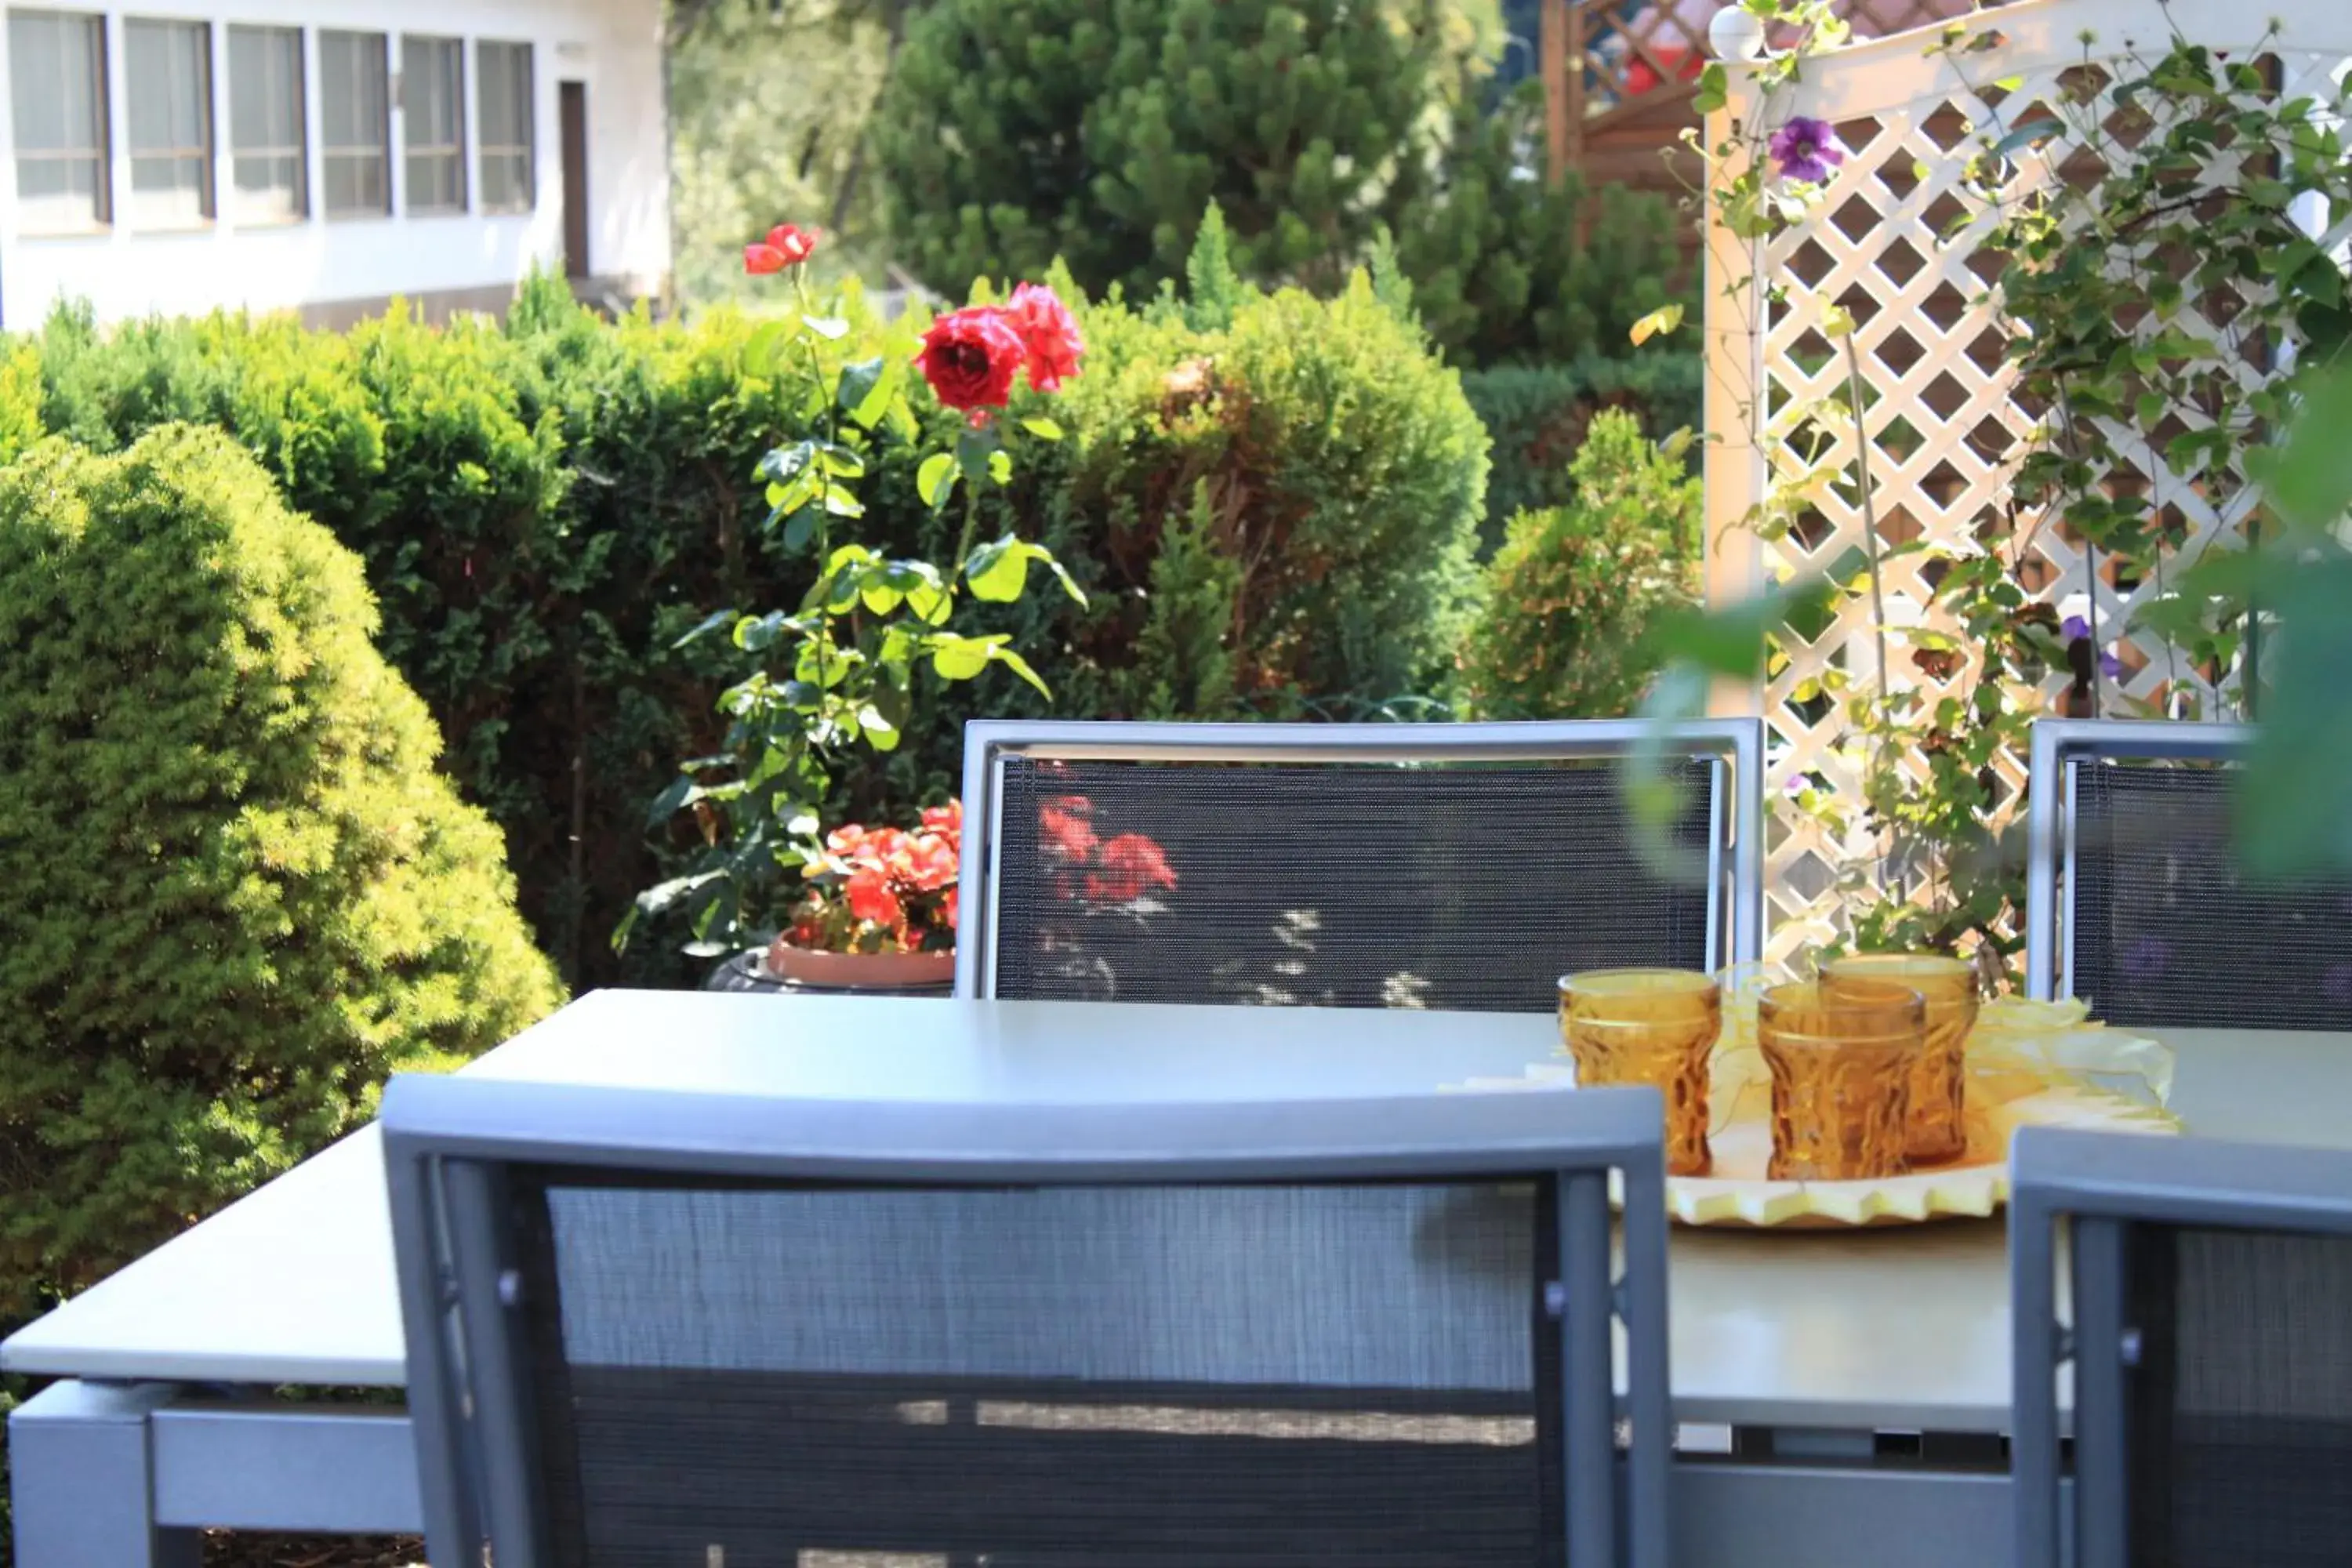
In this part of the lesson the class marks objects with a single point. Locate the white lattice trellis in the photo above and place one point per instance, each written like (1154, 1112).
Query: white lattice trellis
(1897, 243)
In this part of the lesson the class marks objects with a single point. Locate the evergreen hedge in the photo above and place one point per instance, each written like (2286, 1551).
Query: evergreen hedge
(543, 507)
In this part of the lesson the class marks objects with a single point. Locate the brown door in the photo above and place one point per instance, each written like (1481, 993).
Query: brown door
(572, 105)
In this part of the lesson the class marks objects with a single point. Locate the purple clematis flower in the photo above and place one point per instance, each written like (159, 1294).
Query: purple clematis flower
(2075, 629)
(1806, 149)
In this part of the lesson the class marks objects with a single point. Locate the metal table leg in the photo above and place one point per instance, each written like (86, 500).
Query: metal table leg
(81, 1474)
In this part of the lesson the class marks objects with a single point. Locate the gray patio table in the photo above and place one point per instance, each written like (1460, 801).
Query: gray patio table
(164, 1424)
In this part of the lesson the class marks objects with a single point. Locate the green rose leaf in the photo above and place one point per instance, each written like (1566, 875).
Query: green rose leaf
(880, 733)
(998, 571)
(1000, 466)
(957, 657)
(972, 450)
(1000, 654)
(934, 480)
(858, 380)
(1045, 429)
(705, 626)
(833, 328)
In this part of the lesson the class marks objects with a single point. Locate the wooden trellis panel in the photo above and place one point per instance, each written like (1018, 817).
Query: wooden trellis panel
(1621, 82)
(1944, 426)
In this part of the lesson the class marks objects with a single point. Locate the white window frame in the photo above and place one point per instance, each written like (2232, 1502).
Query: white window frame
(202, 152)
(414, 124)
(526, 105)
(333, 152)
(298, 152)
(101, 155)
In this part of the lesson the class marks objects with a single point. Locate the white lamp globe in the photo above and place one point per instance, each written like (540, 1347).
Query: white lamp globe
(1735, 33)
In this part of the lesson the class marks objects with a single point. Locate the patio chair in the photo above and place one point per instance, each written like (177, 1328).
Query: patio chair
(2211, 1351)
(725, 1330)
(2135, 902)
(1447, 866)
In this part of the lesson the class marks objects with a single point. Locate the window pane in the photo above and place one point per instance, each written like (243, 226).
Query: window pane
(352, 98)
(432, 80)
(505, 129)
(170, 85)
(168, 191)
(264, 91)
(355, 182)
(268, 189)
(55, 88)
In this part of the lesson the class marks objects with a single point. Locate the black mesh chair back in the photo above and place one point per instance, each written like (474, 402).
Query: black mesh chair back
(1417, 880)
(2212, 1351)
(2154, 922)
(1371, 1332)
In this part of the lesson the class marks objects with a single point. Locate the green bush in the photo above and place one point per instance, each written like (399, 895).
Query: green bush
(1538, 416)
(1510, 267)
(239, 894)
(1017, 132)
(1572, 592)
(543, 509)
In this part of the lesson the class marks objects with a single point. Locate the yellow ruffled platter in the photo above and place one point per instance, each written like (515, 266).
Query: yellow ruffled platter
(2029, 1064)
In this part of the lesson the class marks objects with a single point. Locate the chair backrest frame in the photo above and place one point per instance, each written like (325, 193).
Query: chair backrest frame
(1735, 883)
(2100, 1182)
(450, 1142)
(2060, 746)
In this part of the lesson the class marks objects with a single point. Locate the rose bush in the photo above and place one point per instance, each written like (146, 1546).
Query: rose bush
(837, 672)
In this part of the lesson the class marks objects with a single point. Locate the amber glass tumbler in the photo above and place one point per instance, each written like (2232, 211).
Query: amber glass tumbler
(1938, 1127)
(1841, 1059)
(1649, 1025)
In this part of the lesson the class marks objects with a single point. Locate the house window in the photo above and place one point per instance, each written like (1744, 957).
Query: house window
(265, 125)
(505, 126)
(433, 110)
(169, 77)
(57, 69)
(355, 104)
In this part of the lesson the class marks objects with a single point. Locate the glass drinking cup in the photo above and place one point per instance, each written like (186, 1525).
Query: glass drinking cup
(1841, 1059)
(1937, 1125)
(1649, 1025)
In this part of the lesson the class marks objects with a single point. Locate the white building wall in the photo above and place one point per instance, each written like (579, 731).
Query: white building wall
(613, 47)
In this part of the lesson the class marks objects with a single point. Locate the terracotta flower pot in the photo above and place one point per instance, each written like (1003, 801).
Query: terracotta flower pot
(860, 971)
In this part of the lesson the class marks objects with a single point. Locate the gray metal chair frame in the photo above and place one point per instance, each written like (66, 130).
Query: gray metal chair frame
(2061, 746)
(450, 1142)
(1734, 746)
(2100, 1183)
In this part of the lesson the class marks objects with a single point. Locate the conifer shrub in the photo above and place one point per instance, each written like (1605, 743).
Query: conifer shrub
(239, 893)
(1571, 596)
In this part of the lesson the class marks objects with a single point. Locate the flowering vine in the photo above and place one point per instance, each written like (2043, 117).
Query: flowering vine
(2200, 165)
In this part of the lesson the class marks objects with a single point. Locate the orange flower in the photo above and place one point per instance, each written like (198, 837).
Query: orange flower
(870, 898)
(787, 245)
(927, 863)
(947, 910)
(946, 821)
(1131, 865)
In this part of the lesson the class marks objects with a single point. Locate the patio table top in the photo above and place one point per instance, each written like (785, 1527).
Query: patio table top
(1893, 1329)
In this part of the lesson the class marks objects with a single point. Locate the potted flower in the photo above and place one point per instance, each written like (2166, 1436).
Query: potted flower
(879, 911)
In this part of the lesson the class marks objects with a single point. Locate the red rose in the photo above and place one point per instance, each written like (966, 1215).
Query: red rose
(971, 357)
(787, 245)
(1048, 332)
